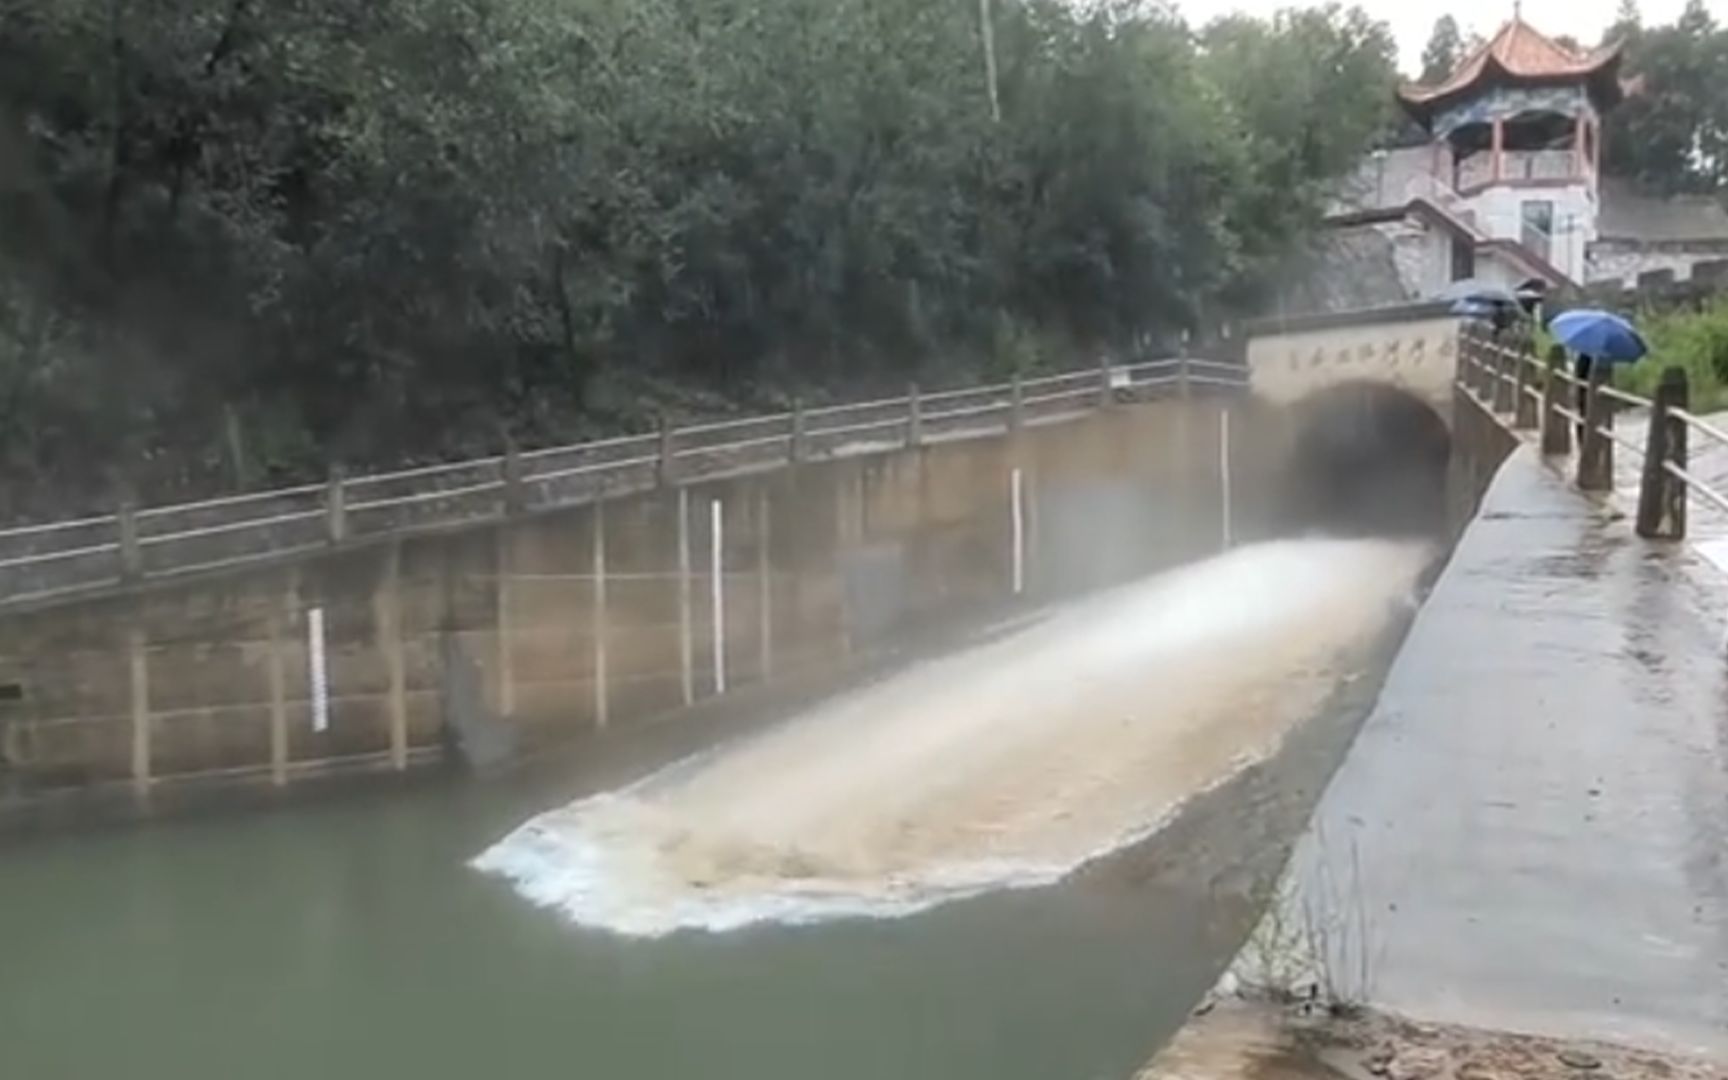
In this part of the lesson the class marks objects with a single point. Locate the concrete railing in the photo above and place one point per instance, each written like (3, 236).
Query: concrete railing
(1518, 166)
(51, 560)
(1541, 395)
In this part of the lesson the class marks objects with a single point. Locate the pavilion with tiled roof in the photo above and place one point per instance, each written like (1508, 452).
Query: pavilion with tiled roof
(1521, 109)
(1509, 188)
(1520, 55)
(1516, 152)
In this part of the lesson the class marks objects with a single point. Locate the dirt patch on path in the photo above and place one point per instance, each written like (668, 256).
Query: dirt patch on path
(1254, 1041)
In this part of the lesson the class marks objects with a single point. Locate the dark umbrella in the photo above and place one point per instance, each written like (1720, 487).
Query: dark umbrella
(1530, 294)
(1478, 291)
(1476, 309)
(1600, 335)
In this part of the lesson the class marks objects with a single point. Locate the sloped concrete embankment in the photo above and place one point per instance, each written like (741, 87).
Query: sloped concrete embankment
(1529, 833)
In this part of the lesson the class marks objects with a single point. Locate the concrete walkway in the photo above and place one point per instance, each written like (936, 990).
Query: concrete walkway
(1531, 832)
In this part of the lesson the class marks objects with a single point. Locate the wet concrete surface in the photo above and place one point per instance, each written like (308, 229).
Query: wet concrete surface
(1531, 831)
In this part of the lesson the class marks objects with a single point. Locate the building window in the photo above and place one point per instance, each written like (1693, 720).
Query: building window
(1463, 259)
(1537, 233)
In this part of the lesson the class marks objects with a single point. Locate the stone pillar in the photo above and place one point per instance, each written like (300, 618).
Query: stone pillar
(1524, 404)
(278, 701)
(597, 617)
(387, 626)
(1596, 449)
(764, 584)
(138, 679)
(1498, 149)
(1661, 494)
(505, 674)
(1556, 428)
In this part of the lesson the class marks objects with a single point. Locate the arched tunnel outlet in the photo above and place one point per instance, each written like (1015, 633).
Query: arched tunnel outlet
(1364, 458)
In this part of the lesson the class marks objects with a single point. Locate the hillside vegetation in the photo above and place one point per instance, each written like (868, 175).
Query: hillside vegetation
(245, 238)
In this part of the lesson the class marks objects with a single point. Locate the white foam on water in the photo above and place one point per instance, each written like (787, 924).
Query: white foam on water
(1009, 765)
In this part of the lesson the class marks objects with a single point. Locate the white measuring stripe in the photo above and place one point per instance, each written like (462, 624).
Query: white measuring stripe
(1224, 469)
(716, 575)
(315, 663)
(686, 647)
(1017, 496)
(597, 617)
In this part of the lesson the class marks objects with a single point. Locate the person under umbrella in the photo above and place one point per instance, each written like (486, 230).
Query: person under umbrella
(1594, 337)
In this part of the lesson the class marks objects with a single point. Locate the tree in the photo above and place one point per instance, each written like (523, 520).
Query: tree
(1444, 51)
(375, 232)
(1309, 91)
(1628, 21)
(1671, 134)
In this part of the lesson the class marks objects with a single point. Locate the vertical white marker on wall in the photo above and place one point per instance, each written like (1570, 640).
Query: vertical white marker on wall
(1224, 470)
(717, 576)
(315, 664)
(686, 648)
(597, 617)
(1017, 499)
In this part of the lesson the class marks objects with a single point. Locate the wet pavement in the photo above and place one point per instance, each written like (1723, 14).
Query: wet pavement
(1530, 833)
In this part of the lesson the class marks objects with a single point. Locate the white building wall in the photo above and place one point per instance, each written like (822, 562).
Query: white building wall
(1499, 213)
(1423, 255)
(1418, 355)
(1495, 269)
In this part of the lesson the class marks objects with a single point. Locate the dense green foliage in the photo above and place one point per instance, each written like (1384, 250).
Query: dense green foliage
(1443, 53)
(1696, 340)
(1672, 132)
(274, 232)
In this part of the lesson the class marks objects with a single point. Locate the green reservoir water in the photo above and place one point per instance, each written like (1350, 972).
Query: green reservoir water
(352, 941)
(349, 938)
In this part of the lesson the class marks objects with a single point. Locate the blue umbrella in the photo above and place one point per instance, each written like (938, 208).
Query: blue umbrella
(1600, 335)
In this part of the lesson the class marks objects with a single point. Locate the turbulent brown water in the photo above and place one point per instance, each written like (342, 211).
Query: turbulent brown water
(1008, 765)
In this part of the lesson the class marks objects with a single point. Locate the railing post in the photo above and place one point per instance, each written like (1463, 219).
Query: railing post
(914, 417)
(131, 551)
(597, 616)
(1470, 351)
(1016, 406)
(1184, 389)
(336, 506)
(1502, 397)
(665, 466)
(138, 670)
(1524, 408)
(1596, 453)
(514, 496)
(797, 448)
(1556, 429)
(1106, 393)
(1661, 494)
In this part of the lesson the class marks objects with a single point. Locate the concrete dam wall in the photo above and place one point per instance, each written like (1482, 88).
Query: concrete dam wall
(497, 640)
(484, 644)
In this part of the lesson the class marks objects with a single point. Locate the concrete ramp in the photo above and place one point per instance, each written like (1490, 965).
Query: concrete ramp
(1531, 831)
